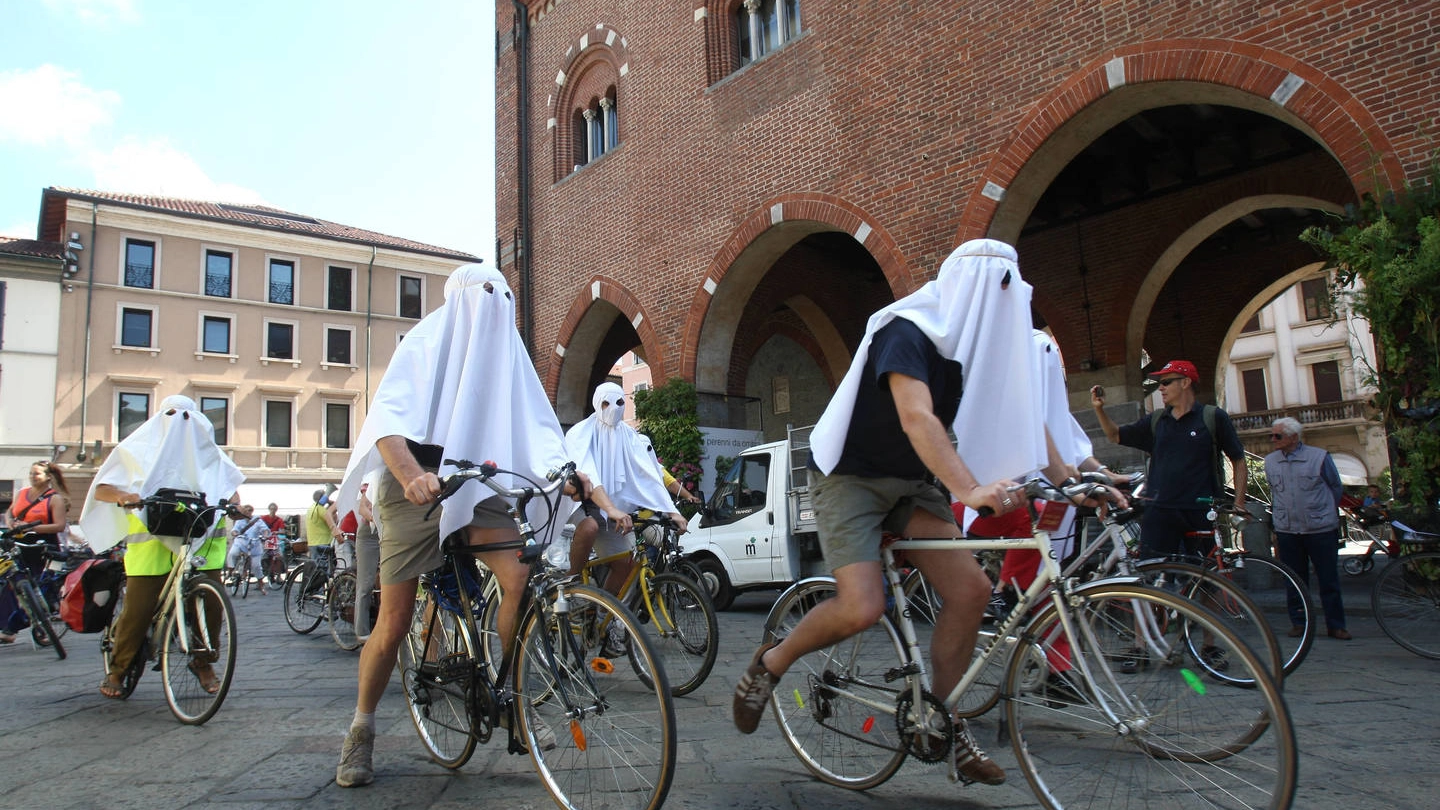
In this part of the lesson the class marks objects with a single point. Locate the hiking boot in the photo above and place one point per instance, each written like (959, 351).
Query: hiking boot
(357, 756)
(617, 642)
(1214, 658)
(543, 735)
(1064, 689)
(998, 608)
(971, 764)
(1133, 660)
(753, 692)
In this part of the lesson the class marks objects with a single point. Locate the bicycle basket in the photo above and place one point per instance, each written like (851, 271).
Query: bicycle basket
(178, 514)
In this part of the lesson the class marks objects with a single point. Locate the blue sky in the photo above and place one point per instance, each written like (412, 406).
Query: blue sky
(377, 114)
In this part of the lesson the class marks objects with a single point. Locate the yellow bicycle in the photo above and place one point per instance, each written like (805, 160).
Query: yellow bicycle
(676, 612)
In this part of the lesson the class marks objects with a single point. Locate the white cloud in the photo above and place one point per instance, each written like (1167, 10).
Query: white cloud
(156, 167)
(96, 12)
(51, 104)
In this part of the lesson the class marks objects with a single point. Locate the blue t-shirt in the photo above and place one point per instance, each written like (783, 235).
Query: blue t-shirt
(875, 445)
(1182, 455)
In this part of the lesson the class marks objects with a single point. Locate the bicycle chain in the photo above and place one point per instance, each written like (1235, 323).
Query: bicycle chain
(927, 743)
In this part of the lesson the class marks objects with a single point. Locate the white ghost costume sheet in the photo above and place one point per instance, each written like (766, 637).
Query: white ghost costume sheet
(174, 448)
(619, 456)
(985, 325)
(1070, 439)
(461, 379)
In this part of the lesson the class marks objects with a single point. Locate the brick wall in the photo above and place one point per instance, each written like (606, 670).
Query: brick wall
(896, 116)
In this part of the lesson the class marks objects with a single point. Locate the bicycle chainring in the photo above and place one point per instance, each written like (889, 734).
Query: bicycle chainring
(928, 736)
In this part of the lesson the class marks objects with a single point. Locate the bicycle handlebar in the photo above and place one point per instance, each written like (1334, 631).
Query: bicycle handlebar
(485, 473)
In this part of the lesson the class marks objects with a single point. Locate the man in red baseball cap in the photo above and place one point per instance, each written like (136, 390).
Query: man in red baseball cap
(1184, 441)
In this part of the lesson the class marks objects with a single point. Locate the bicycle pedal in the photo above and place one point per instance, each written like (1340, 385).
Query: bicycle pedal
(901, 672)
(454, 667)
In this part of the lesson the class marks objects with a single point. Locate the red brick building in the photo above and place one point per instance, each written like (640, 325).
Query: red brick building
(730, 188)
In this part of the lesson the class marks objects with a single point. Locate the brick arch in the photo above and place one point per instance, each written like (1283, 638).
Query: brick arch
(1143, 307)
(775, 226)
(720, 45)
(1319, 106)
(596, 61)
(567, 376)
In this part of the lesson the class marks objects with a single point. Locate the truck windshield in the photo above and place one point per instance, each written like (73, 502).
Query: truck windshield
(745, 488)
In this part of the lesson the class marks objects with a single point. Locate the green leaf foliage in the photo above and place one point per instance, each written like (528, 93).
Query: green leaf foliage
(1392, 246)
(669, 415)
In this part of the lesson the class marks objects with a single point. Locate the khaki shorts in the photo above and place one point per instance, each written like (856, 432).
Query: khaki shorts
(410, 544)
(851, 511)
(607, 541)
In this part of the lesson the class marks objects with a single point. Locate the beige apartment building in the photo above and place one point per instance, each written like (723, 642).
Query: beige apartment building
(278, 325)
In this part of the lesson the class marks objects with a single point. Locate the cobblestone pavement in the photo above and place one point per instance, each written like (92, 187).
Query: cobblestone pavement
(1365, 713)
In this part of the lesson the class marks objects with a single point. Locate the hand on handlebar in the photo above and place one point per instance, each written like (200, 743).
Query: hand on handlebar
(993, 499)
(623, 522)
(423, 488)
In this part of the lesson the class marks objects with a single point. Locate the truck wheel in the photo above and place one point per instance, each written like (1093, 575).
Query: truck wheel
(713, 579)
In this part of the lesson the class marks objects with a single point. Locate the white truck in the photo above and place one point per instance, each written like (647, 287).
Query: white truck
(757, 530)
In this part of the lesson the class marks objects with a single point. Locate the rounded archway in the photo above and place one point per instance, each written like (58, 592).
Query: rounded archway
(790, 291)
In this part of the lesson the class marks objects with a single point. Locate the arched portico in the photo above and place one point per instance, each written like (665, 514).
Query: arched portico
(602, 317)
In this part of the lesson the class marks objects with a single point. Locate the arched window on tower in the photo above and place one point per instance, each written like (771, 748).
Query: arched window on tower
(596, 128)
(762, 26)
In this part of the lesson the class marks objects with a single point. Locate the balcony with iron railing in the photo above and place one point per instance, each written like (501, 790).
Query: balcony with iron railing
(1254, 426)
(139, 275)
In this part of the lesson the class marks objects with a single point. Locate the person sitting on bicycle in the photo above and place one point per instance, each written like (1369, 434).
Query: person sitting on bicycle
(46, 500)
(249, 538)
(174, 448)
(880, 455)
(461, 385)
(624, 465)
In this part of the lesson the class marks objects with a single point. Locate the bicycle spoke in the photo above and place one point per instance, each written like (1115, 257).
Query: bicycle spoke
(1148, 726)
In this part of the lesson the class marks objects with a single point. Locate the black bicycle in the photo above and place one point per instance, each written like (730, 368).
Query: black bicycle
(15, 576)
(598, 738)
(307, 587)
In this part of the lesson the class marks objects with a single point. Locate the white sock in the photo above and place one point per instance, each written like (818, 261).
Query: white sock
(363, 720)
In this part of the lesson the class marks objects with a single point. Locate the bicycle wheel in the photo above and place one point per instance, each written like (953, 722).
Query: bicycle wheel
(613, 734)
(39, 612)
(340, 610)
(492, 643)
(437, 668)
(199, 663)
(923, 604)
(1406, 601)
(131, 676)
(1283, 599)
(818, 704)
(1229, 603)
(48, 586)
(304, 598)
(683, 631)
(1166, 732)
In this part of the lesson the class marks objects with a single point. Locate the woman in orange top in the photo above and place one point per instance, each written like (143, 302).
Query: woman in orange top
(45, 500)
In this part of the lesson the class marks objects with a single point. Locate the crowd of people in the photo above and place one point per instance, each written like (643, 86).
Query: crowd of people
(951, 397)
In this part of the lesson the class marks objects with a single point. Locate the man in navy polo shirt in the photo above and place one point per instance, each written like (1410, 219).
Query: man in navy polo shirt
(1183, 461)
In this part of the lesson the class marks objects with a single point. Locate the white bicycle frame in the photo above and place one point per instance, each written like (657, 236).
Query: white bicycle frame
(1006, 633)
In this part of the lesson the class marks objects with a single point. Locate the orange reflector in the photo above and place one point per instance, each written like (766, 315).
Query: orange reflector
(868, 724)
(602, 666)
(577, 734)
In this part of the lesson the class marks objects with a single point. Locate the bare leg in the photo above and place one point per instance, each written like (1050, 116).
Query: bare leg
(377, 657)
(582, 543)
(858, 602)
(511, 573)
(964, 591)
